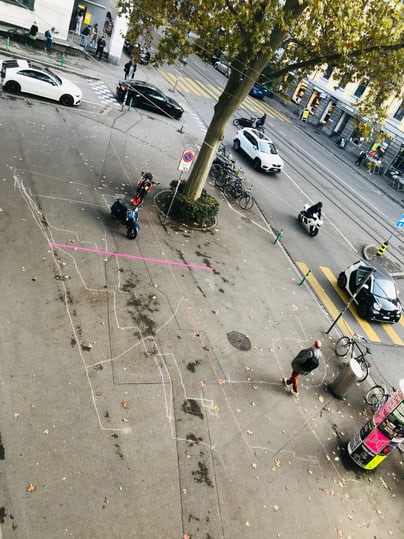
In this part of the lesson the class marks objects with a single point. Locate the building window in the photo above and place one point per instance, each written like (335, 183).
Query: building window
(360, 90)
(29, 4)
(399, 115)
(327, 73)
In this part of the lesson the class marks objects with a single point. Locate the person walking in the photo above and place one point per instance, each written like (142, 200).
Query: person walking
(33, 34)
(100, 47)
(126, 69)
(306, 361)
(49, 38)
(94, 36)
(84, 36)
(360, 159)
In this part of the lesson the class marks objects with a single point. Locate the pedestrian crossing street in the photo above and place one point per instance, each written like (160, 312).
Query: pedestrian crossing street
(350, 322)
(205, 89)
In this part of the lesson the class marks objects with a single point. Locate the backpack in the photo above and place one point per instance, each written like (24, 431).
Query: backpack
(311, 362)
(47, 34)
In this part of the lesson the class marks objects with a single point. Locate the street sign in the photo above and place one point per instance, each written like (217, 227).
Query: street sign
(186, 160)
(400, 222)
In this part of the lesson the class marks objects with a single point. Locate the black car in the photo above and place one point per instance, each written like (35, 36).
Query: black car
(146, 96)
(378, 298)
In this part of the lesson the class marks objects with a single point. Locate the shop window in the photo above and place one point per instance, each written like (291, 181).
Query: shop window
(299, 92)
(399, 115)
(27, 4)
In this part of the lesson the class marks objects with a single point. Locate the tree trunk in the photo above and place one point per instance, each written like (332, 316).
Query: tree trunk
(233, 95)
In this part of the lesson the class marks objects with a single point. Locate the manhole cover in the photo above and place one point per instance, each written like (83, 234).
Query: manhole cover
(239, 341)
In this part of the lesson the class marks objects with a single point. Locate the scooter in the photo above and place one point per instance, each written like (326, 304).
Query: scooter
(249, 122)
(144, 186)
(127, 214)
(311, 223)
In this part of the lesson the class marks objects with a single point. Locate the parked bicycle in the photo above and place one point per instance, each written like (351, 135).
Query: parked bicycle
(358, 349)
(235, 190)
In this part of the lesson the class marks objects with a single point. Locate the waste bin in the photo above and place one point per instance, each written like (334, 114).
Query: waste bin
(345, 379)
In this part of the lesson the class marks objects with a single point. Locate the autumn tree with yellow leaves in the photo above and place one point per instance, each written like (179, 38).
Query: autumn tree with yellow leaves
(359, 38)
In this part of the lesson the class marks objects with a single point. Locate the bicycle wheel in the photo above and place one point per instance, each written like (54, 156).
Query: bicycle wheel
(364, 365)
(215, 171)
(221, 180)
(375, 397)
(342, 346)
(229, 191)
(246, 201)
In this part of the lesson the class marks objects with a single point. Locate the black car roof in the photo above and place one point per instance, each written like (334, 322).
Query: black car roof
(379, 269)
(141, 83)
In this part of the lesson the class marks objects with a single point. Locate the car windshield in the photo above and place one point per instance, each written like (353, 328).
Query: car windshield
(267, 147)
(384, 288)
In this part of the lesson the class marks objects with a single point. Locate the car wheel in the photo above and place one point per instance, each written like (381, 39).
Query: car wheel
(66, 100)
(257, 164)
(342, 280)
(363, 311)
(236, 145)
(13, 87)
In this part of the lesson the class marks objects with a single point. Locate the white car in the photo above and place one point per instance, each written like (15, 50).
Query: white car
(259, 148)
(222, 67)
(32, 78)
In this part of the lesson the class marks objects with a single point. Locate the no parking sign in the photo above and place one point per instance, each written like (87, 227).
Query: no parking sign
(186, 160)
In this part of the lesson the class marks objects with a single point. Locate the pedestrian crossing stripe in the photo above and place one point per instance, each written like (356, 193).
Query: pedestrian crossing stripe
(207, 90)
(325, 300)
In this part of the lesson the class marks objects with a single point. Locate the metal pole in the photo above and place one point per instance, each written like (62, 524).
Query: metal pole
(174, 195)
(371, 272)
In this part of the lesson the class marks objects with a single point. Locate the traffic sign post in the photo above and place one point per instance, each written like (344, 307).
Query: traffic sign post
(186, 160)
(399, 224)
(184, 165)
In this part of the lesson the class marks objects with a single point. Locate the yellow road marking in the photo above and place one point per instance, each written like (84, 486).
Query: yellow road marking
(366, 327)
(199, 87)
(392, 334)
(328, 304)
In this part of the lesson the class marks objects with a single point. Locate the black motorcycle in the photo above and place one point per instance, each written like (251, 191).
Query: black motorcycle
(256, 123)
(127, 214)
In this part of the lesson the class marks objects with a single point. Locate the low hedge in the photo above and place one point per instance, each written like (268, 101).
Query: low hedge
(202, 212)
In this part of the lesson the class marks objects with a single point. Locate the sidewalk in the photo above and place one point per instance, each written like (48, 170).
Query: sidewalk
(235, 454)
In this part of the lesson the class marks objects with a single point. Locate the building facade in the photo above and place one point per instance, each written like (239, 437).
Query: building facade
(331, 108)
(69, 17)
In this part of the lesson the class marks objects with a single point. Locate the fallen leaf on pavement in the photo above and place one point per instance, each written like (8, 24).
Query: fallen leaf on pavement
(254, 465)
(125, 405)
(276, 507)
(249, 432)
(252, 403)
(31, 488)
(203, 384)
(16, 414)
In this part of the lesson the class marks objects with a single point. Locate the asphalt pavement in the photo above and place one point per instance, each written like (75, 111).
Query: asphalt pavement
(215, 446)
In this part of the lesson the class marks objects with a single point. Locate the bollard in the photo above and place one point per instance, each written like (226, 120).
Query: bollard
(181, 129)
(382, 248)
(7, 44)
(305, 278)
(278, 236)
(62, 60)
(130, 104)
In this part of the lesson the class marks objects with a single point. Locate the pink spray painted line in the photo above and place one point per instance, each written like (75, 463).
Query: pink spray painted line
(124, 255)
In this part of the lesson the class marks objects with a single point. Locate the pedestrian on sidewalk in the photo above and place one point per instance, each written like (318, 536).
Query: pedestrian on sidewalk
(360, 159)
(306, 361)
(126, 69)
(49, 38)
(84, 36)
(94, 36)
(33, 34)
(100, 47)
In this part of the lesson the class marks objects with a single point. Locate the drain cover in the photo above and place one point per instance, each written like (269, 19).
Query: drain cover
(239, 341)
